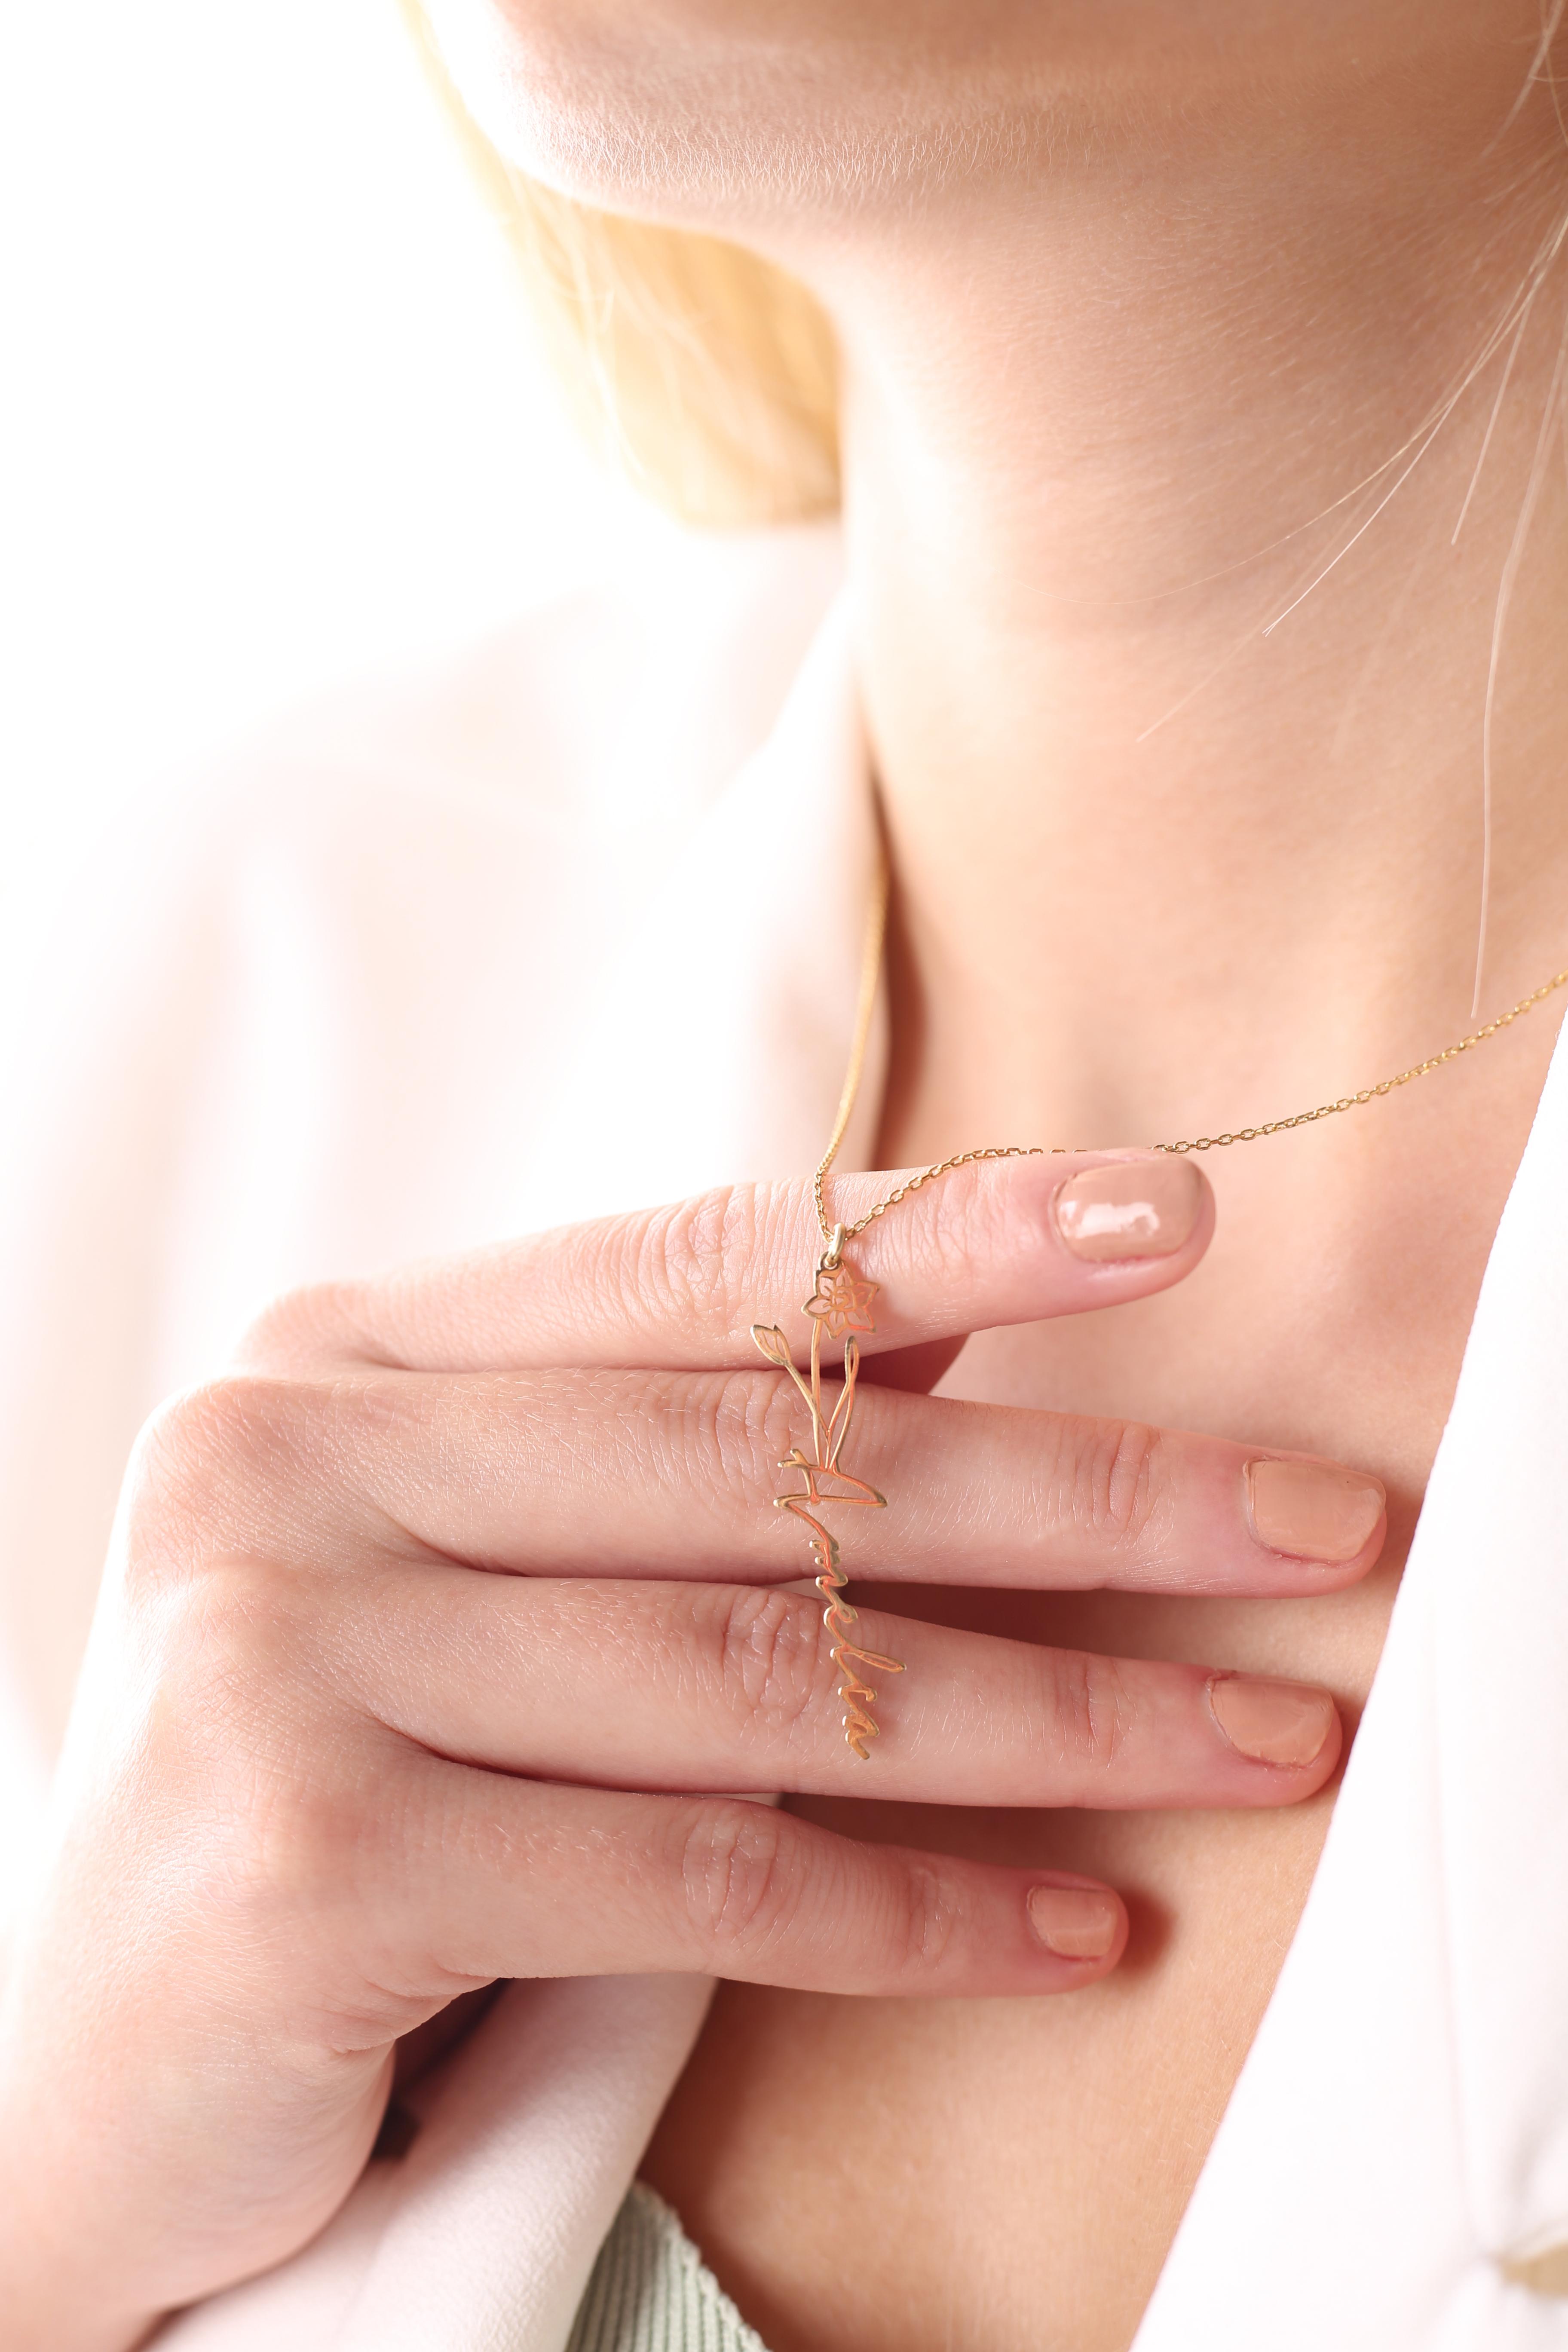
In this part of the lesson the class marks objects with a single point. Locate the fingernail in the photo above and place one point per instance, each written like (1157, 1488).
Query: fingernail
(1313, 1510)
(1130, 1208)
(1271, 1722)
(1077, 1923)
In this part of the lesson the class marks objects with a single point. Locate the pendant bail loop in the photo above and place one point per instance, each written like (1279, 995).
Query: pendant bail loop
(833, 1254)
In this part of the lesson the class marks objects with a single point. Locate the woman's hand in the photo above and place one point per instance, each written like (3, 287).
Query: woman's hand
(430, 1635)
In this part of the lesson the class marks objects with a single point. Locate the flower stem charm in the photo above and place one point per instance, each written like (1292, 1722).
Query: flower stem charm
(840, 1305)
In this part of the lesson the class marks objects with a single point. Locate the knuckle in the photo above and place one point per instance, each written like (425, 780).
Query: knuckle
(245, 1724)
(1090, 1712)
(313, 1845)
(762, 1652)
(233, 1642)
(925, 1911)
(1108, 1477)
(196, 1459)
(685, 1263)
(738, 1426)
(737, 1869)
(291, 1855)
(321, 1319)
(213, 1420)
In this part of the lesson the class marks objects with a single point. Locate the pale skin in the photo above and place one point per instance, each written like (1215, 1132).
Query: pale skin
(1128, 298)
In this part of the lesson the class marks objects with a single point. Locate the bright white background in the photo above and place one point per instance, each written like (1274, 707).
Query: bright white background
(269, 415)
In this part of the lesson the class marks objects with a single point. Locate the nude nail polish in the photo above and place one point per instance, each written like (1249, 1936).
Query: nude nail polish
(1271, 1722)
(1077, 1923)
(1313, 1510)
(1130, 1208)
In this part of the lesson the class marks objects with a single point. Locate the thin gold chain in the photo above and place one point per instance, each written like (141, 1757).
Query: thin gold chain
(835, 1236)
(870, 979)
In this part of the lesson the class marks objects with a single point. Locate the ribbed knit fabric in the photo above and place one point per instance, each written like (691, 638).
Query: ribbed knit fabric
(650, 2291)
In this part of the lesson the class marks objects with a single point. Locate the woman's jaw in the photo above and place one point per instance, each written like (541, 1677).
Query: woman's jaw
(733, 115)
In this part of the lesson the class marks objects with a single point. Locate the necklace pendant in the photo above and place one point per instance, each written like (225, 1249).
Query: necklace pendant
(840, 1305)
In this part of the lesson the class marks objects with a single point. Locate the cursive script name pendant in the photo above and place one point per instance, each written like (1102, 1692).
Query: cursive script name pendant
(841, 1306)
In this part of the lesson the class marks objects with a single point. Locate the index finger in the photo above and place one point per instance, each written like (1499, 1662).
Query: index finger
(1002, 1241)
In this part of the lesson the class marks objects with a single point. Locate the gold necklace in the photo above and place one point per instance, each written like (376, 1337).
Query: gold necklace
(840, 1304)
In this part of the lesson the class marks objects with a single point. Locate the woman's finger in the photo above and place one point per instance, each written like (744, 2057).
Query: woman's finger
(703, 1687)
(676, 1474)
(508, 1878)
(1006, 1241)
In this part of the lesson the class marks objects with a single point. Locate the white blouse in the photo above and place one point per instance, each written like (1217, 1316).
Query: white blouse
(577, 929)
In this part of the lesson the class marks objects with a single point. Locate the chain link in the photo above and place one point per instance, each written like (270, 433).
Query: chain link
(1384, 1085)
(1185, 1144)
(928, 1176)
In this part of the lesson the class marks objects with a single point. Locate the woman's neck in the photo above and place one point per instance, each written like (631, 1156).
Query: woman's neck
(1157, 870)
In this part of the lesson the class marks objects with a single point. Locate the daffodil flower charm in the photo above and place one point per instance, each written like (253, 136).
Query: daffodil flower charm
(842, 1300)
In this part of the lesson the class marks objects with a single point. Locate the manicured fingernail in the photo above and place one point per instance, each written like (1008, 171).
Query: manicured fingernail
(1077, 1923)
(1271, 1722)
(1130, 1208)
(1312, 1510)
